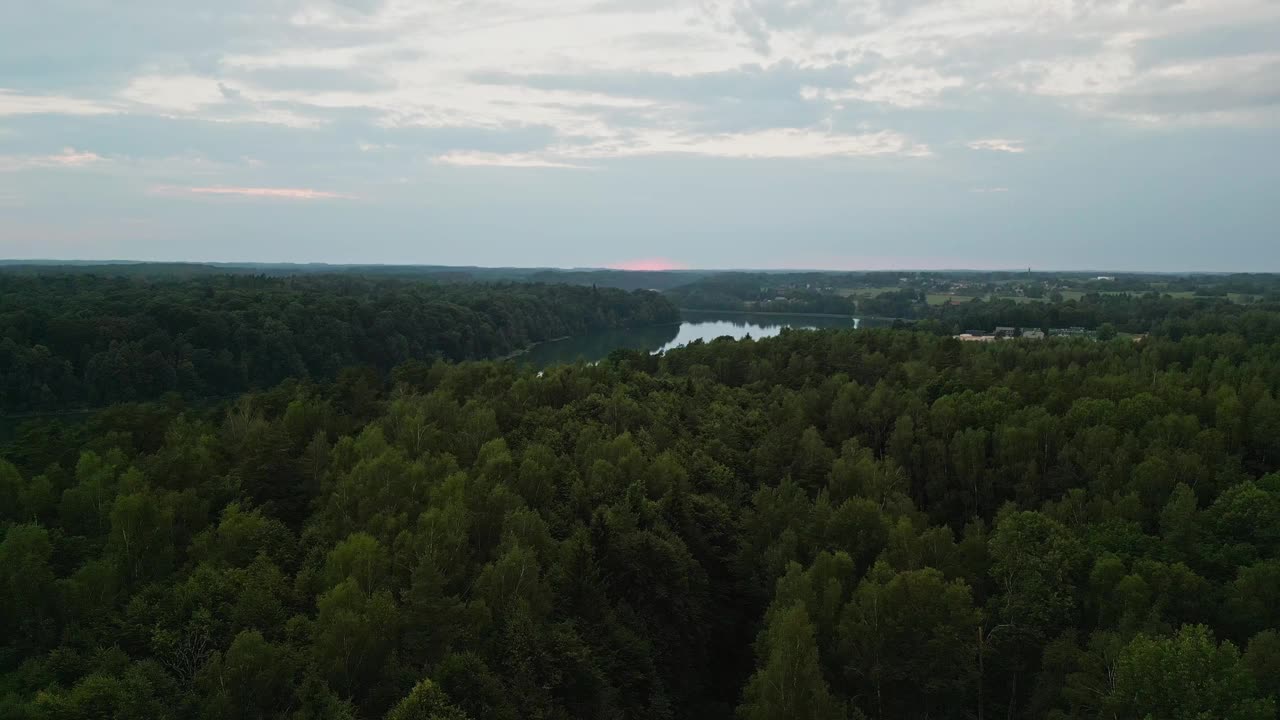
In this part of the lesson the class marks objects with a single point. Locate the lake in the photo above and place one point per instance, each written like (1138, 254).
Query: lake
(694, 325)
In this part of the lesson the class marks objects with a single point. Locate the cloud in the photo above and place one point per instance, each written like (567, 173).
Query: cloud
(67, 159)
(302, 58)
(906, 87)
(997, 145)
(1120, 81)
(269, 193)
(989, 190)
(268, 116)
(710, 78)
(464, 158)
(177, 93)
(70, 157)
(15, 103)
(778, 143)
(773, 144)
(1243, 89)
(213, 100)
(683, 112)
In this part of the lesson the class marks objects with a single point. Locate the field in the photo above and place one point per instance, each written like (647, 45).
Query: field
(866, 292)
(942, 298)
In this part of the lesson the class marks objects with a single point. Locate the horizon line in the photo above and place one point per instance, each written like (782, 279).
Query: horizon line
(11, 262)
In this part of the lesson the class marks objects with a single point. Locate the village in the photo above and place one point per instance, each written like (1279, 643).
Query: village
(1011, 333)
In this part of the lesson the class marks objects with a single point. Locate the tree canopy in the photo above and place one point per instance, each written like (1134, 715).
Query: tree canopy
(75, 340)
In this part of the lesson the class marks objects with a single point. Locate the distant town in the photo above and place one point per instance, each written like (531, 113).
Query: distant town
(1015, 333)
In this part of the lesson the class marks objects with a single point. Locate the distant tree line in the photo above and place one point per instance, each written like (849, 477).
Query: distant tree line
(89, 340)
(1151, 312)
(763, 292)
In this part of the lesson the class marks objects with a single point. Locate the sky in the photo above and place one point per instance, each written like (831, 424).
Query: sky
(841, 134)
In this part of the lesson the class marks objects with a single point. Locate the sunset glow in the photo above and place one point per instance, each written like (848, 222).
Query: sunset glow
(649, 265)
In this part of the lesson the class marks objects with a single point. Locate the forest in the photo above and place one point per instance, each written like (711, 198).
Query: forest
(826, 525)
(963, 301)
(88, 340)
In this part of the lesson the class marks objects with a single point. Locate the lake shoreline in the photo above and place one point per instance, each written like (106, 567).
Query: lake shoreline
(780, 314)
(802, 314)
(694, 325)
(527, 348)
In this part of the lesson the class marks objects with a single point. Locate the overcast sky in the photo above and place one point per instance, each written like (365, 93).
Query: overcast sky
(1073, 134)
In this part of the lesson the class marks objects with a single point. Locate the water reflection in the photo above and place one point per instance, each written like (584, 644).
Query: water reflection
(706, 326)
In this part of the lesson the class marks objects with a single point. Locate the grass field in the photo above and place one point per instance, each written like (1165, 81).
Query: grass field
(866, 292)
(943, 298)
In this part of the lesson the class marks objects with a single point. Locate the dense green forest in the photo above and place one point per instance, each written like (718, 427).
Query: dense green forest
(79, 339)
(823, 525)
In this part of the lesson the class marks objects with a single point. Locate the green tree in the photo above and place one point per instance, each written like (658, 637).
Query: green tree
(27, 611)
(361, 558)
(1263, 659)
(907, 642)
(354, 634)
(425, 702)
(1185, 677)
(790, 685)
(1034, 564)
(141, 537)
(252, 679)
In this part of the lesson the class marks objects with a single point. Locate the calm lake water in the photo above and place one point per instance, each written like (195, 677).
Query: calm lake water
(694, 325)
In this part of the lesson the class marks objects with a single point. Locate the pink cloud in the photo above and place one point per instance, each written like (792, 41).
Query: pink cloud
(68, 158)
(255, 192)
(649, 265)
(71, 157)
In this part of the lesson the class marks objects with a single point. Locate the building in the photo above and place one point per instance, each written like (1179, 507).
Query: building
(1006, 332)
(1033, 334)
(969, 337)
